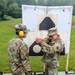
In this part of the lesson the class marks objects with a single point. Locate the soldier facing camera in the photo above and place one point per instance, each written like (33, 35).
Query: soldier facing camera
(52, 46)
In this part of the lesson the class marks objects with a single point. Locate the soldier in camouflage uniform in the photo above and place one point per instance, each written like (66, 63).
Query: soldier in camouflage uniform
(18, 52)
(52, 47)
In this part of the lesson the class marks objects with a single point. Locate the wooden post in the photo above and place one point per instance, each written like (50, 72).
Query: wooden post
(67, 63)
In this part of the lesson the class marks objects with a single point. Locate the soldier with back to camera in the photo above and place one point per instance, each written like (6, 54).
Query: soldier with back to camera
(52, 47)
(18, 52)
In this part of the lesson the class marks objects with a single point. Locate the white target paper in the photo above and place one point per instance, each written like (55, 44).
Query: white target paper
(30, 15)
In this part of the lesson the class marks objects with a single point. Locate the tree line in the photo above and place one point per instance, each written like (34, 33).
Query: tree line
(10, 9)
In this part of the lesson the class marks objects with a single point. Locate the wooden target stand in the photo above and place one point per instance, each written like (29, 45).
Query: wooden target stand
(67, 59)
(67, 64)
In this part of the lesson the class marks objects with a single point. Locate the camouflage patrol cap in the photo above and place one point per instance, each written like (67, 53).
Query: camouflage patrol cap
(22, 27)
(52, 31)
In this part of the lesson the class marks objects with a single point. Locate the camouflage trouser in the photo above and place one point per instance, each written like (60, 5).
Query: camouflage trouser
(51, 71)
(22, 73)
(19, 71)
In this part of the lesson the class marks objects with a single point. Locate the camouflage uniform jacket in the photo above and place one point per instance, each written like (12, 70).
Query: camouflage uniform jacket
(18, 54)
(51, 52)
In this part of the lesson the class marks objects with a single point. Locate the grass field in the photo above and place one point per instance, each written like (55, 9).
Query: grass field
(7, 32)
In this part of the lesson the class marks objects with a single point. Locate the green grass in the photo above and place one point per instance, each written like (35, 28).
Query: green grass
(73, 20)
(7, 32)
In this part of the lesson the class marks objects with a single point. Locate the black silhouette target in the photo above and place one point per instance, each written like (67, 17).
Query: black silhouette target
(35, 50)
(46, 24)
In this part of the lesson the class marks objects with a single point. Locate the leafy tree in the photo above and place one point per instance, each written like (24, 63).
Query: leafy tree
(3, 5)
(73, 3)
(14, 10)
(13, 7)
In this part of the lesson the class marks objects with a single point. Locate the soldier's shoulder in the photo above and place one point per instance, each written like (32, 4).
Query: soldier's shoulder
(61, 41)
(15, 40)
(11, 40)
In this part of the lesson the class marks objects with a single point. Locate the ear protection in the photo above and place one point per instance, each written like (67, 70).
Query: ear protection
(21, 33)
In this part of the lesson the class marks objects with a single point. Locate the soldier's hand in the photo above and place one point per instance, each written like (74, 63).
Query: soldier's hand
(38, 40)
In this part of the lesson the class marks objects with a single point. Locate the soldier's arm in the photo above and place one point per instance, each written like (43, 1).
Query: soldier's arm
(24, 58)
(59, 46)
(47, 48)
(43, 43)
(24, 52)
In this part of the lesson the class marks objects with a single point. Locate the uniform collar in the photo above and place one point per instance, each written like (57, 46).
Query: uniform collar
(18, 37)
